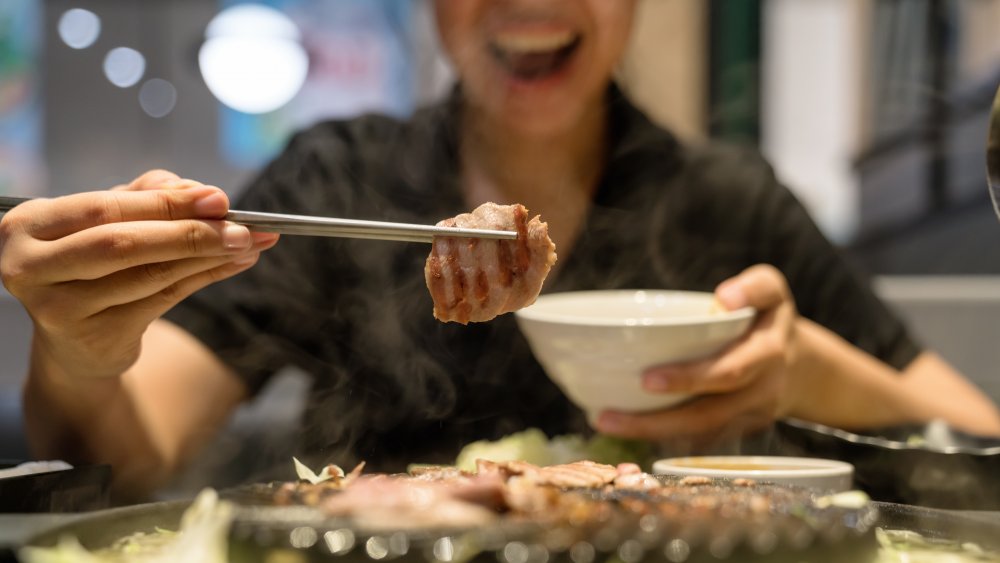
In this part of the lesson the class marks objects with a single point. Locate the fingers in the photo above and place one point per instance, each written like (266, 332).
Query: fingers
(51, 219)
(761, 349)
(142, 281)
(92, 333)
(154, 179)
(138, 314)
(64, 302)
(94, 269)
(157, 180)
(105, 249)
(742, 411)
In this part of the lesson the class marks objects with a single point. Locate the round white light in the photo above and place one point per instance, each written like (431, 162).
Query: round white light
(79, 28)
(252, 20)
(124, 67)
(252, 59)
(157, 97)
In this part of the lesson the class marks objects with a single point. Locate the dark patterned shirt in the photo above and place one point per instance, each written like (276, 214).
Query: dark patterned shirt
(391, 385)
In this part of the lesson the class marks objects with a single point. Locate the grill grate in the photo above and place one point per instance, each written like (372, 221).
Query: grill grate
(711, 520)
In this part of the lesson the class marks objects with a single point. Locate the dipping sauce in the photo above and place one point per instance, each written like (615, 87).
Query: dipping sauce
(822, 474)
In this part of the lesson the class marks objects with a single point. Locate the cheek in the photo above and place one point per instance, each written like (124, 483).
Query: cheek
(456, 25)
(614, 25)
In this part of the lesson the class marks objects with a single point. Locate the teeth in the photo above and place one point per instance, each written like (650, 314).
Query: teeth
(534, 42)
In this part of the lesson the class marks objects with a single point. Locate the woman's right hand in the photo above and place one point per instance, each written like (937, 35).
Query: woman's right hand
(95, 269)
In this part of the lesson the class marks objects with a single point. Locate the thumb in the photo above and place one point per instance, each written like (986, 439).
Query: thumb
(762, 287)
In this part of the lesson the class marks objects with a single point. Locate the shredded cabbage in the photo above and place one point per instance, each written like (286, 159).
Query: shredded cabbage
(306, 474)
(203, 537)
(905, 546)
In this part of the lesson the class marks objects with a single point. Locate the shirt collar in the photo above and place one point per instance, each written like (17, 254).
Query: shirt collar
(637, 148)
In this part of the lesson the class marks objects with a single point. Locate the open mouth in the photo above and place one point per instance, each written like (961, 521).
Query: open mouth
(534, 56)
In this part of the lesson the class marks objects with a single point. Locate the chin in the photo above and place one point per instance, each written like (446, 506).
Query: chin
(538, 111)
(542, 123)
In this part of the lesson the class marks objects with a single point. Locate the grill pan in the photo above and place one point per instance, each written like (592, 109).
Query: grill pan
(699, 527)
(101, 528)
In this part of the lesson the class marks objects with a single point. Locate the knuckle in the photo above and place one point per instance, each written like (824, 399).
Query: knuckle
(152, 177)
(181, 289)
(173, 293)
(168, 205)
(122, 243)
(217, 274)
(13, 275)
(196, 238)
(12, 271)
(777, 278)
(156, 272)
(736, 376)
(107, 210)
(766, 270)
(729, 378)
(22, 220)
(7, 228)
(767, 275)
(16, 273)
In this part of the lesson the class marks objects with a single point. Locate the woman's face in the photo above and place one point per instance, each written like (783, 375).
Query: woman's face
(535, 65)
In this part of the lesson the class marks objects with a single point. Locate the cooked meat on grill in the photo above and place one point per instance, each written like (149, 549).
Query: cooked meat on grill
(378, 502)
(583, 499)
(579, 474)
(474, 280)
(637, 481)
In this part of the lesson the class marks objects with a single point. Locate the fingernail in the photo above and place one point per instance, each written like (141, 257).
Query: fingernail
(215, 204)
(236, 237)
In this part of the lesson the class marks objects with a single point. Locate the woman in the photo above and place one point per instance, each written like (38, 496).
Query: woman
(125, 370)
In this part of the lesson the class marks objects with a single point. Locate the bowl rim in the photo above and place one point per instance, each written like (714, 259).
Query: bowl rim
(817, 467)
(532, 313)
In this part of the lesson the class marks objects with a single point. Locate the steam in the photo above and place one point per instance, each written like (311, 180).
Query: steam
(390, 384)
(393, 386)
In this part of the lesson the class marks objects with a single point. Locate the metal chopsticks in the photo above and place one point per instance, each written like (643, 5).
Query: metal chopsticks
(333, 227)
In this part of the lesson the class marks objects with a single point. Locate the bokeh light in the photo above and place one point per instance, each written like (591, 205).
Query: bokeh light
(124, 67)
(157, 97)
(252, 59)
(79, 28)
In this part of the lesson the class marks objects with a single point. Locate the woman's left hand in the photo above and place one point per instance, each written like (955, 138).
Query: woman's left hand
(739, 390)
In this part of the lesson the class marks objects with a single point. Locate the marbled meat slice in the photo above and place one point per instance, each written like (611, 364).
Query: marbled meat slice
(474, 280)
(579, 474)
(389, 502)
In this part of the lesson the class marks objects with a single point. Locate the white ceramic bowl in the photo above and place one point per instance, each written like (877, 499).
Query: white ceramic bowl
(596, 344)
(822, 474)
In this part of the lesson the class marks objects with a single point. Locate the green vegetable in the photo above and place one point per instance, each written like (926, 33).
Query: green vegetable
(611, 450)
(906, 546)
(535, 447)
(203, 537)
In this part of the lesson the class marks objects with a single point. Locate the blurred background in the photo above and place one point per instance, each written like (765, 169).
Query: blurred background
(873, 111)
